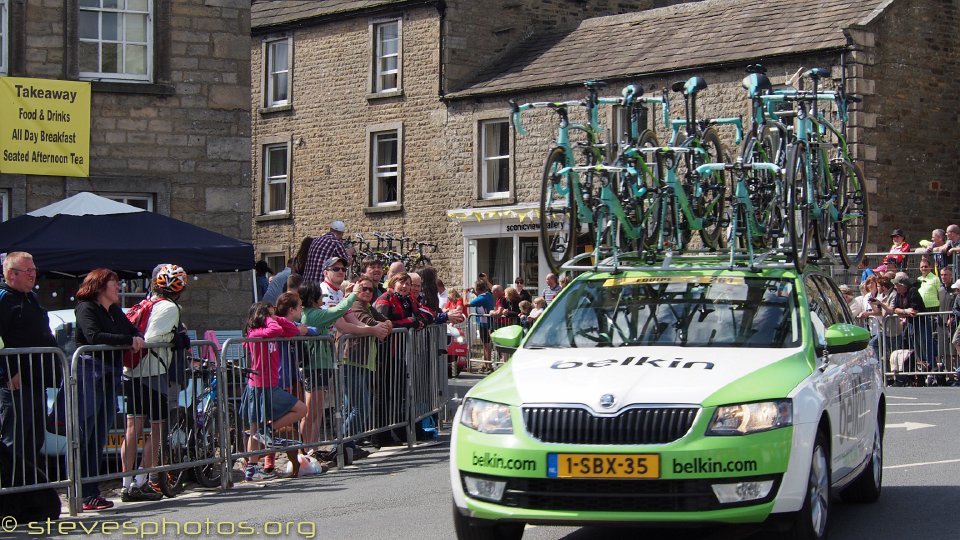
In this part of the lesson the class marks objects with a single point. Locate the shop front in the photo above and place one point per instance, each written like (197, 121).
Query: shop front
(503, 242)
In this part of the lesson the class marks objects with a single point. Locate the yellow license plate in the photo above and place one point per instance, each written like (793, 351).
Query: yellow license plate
(603, 465)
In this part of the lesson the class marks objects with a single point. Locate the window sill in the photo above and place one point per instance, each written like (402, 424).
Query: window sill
(383, 209)
(497, 201)
(276, 108)
(133, 88)
(272, 217)
(384, 95)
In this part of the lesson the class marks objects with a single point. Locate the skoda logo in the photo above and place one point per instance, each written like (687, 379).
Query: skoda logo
(607, 400)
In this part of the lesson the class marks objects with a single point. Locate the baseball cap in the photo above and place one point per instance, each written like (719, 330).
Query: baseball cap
(338, 226)
(845, 289)
(956, 285)
(333, 260)
(902, 279)
(897, 232)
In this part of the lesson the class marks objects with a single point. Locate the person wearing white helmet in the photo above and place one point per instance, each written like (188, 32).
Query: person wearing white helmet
(145, 385)
(325, 246)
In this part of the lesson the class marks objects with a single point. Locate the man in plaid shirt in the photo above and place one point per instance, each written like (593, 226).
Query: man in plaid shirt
(322, 248)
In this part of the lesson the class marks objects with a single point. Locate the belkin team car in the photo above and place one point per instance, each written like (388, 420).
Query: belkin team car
(684, 395)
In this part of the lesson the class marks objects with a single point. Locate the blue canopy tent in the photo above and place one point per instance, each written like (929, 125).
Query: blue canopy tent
(83, 232)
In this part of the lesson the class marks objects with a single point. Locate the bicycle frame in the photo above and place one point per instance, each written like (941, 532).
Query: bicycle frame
(741, 198)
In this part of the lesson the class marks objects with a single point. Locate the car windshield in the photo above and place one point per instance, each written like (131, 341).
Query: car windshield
(685, 311)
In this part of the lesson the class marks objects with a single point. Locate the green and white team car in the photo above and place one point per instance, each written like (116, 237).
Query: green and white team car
(689, 394)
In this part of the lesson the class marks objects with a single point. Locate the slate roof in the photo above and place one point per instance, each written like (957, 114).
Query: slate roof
(682, 36)
(272, 13)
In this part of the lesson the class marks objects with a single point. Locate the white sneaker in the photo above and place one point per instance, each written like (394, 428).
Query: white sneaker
(265, 438)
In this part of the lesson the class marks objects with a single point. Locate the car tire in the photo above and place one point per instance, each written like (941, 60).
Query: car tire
(812, 521)
(866, 488)
(469, 528)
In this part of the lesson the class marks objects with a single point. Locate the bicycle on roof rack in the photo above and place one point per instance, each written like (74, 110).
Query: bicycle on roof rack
(707, 199)
(567, 198)
(831, 215)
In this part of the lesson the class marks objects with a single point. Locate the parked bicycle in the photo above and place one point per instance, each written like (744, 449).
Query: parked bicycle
(195, 433)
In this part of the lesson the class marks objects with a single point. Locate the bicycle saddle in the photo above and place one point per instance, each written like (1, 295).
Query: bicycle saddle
(757, 83)
(690, 87)
(595, 84)
(817, 73)
(756, 68)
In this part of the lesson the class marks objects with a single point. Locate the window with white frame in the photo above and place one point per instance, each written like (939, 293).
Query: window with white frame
(140, 200)
(494, 159)
(4, 35)
(386, 56)
(4, 205)
(278, 72)
(385, 174)
(276, 262)
(276, 178)
(116, 40)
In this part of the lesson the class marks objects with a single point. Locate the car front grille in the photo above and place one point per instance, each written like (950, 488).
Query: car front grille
(570, 425)
(586, 495)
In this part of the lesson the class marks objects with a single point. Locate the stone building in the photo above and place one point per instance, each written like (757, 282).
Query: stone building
(169, 123)
(427, 151)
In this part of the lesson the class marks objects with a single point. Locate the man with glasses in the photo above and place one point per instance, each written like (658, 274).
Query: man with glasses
(23, 323)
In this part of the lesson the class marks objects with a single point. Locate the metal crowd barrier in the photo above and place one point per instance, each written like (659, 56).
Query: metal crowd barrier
(479, 328)
(916, 350)
(370, 387)
(34, 457)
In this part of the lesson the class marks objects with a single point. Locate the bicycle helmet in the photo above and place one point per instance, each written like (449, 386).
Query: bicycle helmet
(171, 277)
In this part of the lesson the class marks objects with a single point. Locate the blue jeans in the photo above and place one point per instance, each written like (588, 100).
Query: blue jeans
(94, 429)
(22, 428)
(357, 399)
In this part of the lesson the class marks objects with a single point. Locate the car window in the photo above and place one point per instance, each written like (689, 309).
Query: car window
(835, 304)
(675, 310)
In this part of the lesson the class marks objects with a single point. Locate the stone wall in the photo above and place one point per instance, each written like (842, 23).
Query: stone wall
(331, 112)
(185, 139)
(910, 58)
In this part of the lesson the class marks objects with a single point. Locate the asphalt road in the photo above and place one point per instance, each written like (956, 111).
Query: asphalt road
(400, 494)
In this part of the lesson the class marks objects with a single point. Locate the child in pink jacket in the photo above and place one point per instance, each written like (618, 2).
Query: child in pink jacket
(265, 405)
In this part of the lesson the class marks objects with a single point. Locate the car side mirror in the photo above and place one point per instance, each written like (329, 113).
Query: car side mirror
(844, 338)
(508, 336)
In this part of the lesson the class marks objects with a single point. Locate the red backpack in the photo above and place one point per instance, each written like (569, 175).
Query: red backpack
(139, 315)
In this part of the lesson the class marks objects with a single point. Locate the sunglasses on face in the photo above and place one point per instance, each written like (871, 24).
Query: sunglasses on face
(337, 269)
(366, 289)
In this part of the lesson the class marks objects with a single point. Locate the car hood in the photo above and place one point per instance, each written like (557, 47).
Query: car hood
(649, 375)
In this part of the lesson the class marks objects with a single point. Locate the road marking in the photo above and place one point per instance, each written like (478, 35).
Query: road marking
(900, 397)
(910, 425)
(922, 463)
(925, 410)
(912, 404)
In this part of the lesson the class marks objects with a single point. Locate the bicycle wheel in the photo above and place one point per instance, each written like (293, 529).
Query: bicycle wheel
(648, 206)
(711, 204)
(766, 191)
(851, 228)
(558, 213)
(675, 229)
(174, 448)
(208, 446)
(798, 215)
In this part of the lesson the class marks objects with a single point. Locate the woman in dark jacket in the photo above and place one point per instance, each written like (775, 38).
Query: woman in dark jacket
(100, 321)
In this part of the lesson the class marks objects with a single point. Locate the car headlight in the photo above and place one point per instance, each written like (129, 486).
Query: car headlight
(746, 418)
(486, 416)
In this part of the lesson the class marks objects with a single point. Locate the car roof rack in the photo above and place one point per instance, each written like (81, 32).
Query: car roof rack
(669, 260)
